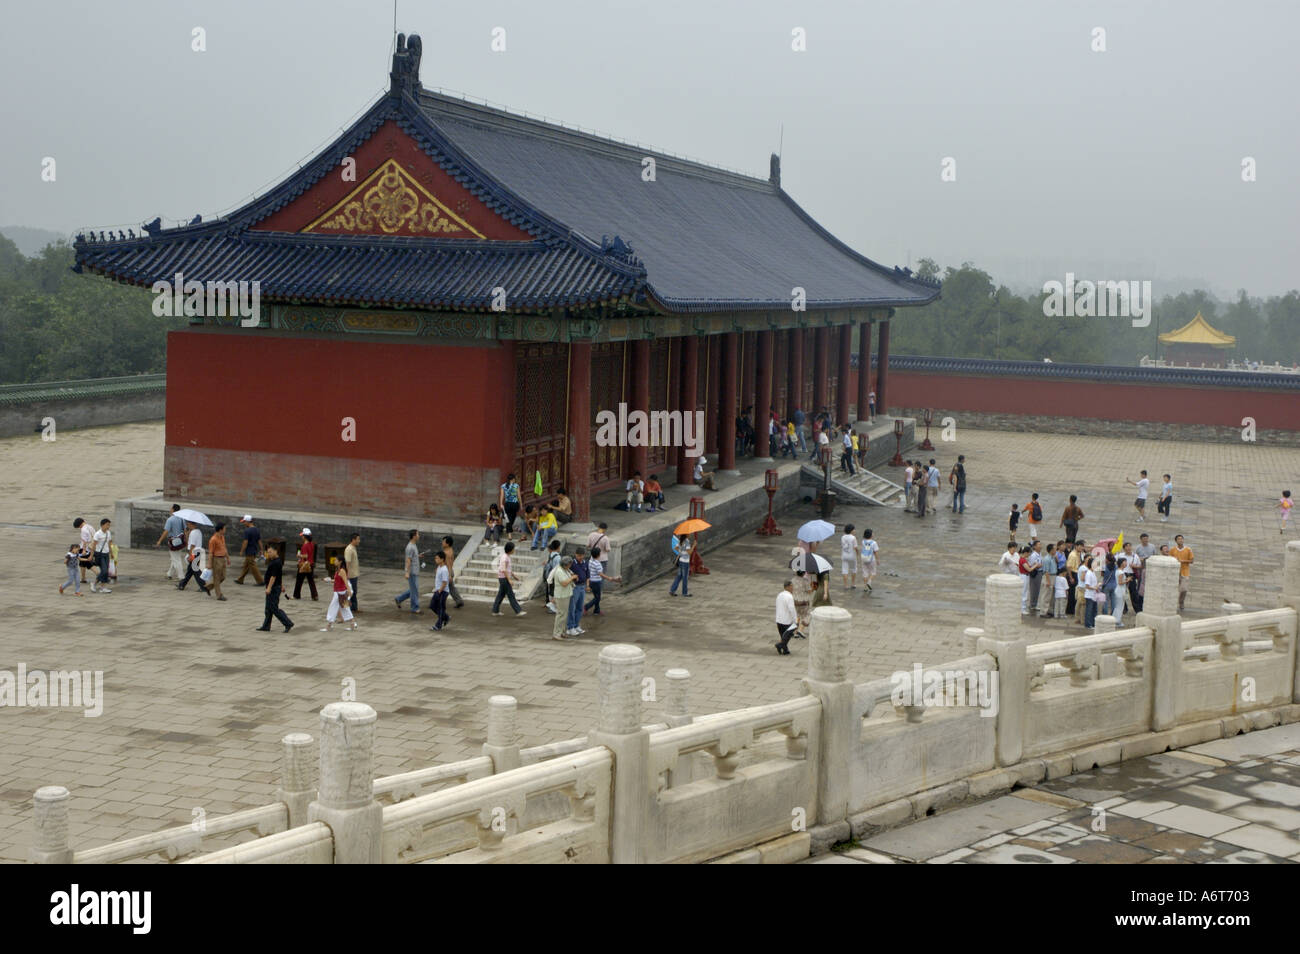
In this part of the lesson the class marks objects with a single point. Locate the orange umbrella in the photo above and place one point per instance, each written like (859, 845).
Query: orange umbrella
(694, 525)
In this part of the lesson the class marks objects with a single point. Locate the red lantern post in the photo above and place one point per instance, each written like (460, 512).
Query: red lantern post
(697, 513)
(771, 483)
(898, 444)
(929, 417)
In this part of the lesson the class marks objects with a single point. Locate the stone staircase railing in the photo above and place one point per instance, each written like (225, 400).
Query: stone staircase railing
(774, 782)
(864, 486)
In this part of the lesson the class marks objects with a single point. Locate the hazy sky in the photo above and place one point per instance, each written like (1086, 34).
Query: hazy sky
(1123, 164)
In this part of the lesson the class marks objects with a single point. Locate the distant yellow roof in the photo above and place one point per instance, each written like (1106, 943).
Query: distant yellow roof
(1198, 331)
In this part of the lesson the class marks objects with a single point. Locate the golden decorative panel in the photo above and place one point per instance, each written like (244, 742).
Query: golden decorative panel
(392, 202)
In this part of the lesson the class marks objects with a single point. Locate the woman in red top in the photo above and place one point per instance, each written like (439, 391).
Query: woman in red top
(340, 600)
(306, 566)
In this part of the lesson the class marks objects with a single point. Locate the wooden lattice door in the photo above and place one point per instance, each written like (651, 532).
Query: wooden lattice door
(606, 393)
(541, 402)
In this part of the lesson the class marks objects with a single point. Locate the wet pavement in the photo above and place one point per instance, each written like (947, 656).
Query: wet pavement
(1233, 801)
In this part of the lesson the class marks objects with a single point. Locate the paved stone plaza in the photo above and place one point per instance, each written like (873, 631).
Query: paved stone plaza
(196, 701)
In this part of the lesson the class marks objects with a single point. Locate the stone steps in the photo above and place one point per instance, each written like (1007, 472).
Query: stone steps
(477, 581)
(864, 486)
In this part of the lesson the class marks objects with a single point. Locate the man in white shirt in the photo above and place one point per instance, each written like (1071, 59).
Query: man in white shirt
(787, 620)
(102, 543)
(1166, 498)
(1035, 564)
(1143, 485)
(932, 485)
(1010, 562)
(908, 474)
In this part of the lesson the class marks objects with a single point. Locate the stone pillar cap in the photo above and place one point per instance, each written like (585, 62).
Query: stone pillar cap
(357, 712)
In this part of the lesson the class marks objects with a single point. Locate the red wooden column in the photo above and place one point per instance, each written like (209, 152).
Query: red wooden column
(749, 371)
(864, 370)
(727, 420)
(577, 478)
(821, 372)
(712, 400)
(794, 387)
(842, 392)
(762, 446)
(883, 360)
(640, 398)
(690, 369)
(509, 452)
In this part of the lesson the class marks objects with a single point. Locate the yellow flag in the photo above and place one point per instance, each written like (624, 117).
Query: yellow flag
(1118, 544)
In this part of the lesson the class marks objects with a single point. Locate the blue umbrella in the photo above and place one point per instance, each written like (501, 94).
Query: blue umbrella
(816, 530)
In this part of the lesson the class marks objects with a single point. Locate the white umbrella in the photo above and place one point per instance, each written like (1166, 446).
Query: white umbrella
(193, 516)
(816, 530)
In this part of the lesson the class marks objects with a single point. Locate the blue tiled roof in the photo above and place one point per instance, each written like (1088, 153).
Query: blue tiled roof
(696, 239)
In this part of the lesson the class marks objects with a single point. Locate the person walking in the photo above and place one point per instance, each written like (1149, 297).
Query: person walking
(581, 574)
(1033, 512)
(921, 482)
(552, 561)
(1109, 583)
(870, 551)
(194, 559)
(1046, 588)
(932, 485)
(87, 549)
(411, 573)
(1166, 498)
(683, 550)
(505, 578)
(352, 557)
(562, 579)
(846, 450)
(71, 562)
(449, 553)
(274, 587)
(1284, 505)
(1070, 518)
(849, 558)
(218, 558)
(957, 478)
(1144, 486)
(787, 619)
(1183, 554)
(307, 566)
(908, 474)
(1013, 521)
(1121, 598)
(441, 583)
(341, 597)
(508, 501)
(596, 579)
(598, 539)
(174, 534)
(250, 548)
(101, 545)
(871, 405)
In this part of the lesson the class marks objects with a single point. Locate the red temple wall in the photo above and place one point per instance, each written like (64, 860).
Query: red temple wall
(1103, 400)
(258, 418)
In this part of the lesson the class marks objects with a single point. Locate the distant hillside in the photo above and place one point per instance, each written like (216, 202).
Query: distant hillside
(31, 241)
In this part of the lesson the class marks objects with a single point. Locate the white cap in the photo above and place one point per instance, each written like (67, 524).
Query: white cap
(703, 461)
(306, 532)
(248, 518)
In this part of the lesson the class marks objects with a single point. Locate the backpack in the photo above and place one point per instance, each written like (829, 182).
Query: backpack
(1037, 511)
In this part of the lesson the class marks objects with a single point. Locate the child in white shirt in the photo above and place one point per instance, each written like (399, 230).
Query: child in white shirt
(869, 550)
(1061, 593)
(849, 558)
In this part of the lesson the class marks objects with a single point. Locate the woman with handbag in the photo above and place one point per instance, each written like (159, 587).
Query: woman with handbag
(306, 566)
(341, 600)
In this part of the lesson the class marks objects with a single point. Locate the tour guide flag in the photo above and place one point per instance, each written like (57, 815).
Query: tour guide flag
(538, 489)
(1119, 542)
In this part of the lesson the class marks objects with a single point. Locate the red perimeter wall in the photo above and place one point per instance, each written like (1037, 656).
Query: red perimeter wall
(1221, 407)
(258, 418)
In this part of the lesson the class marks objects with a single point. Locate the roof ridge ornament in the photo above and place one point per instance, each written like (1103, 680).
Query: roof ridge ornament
(405, 75)
(774, 176)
